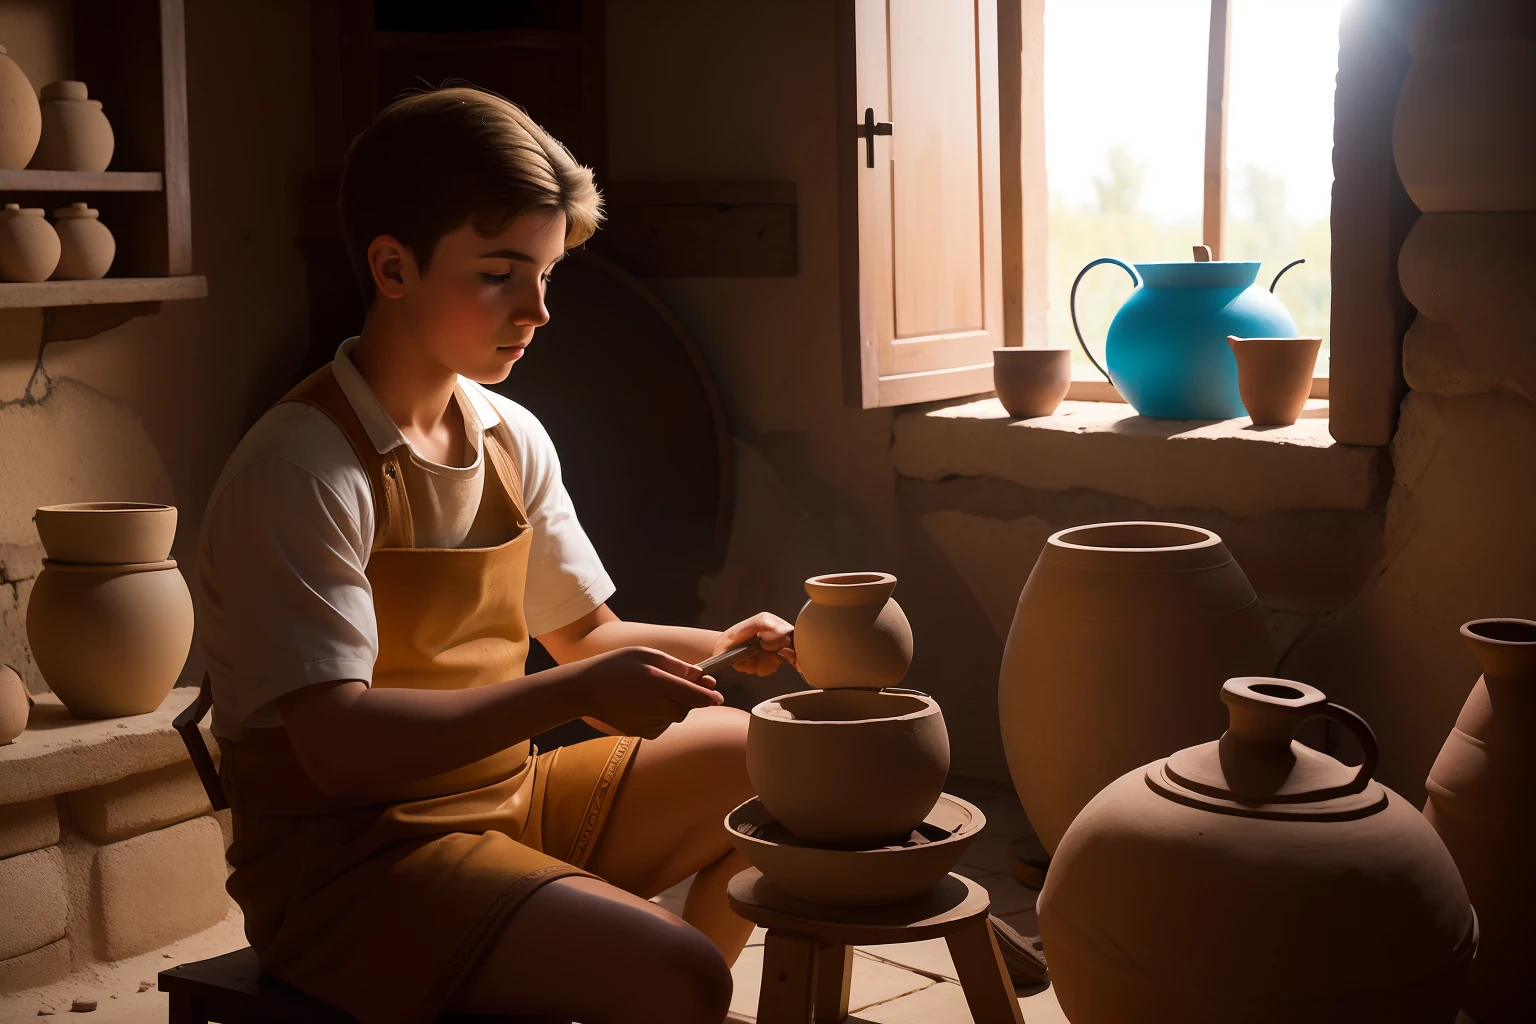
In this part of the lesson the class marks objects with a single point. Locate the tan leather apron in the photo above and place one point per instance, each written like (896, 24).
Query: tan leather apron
(381, 905)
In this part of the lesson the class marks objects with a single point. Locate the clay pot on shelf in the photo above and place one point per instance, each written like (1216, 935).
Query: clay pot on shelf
(15, 705)
(1255, 879)
(1274, 377)
(1122, 633)
(1482, 801)
(851, 633)
(86, 247)
(107, 532)
(29, 247)
(21, 120)
(76, 134)
(1031, 381)
(848, 768)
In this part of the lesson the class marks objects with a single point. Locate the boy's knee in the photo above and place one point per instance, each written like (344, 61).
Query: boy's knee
(690, 982)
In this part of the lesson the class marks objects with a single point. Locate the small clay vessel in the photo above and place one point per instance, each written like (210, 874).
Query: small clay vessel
(86, 247)
(848, 768)
(1274, 376)
(21, 120)
(107, 532)
(15, 705)
(29, 247)
(1482, 801)
(1255, 879)
(110, 640)
(1031, 381)
(76, 134)
(851, 633)
(857, 878)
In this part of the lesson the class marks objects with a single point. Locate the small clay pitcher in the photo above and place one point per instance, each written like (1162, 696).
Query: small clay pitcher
(1031, 381)
(851, 633)
(21, 120)
(1274, 377)
(86, 247)
(76, 134)
(15, 705)
(29, 247)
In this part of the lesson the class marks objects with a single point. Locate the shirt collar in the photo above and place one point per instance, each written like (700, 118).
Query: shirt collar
(479, 413)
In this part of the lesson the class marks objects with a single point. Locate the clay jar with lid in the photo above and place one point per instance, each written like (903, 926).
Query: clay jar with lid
(21, 120)
(29, 247)
(1255, 879)
(86, 247)
(76, 134)
(1482, 802)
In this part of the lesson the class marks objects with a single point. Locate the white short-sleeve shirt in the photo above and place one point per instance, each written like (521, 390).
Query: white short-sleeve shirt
(283, 600)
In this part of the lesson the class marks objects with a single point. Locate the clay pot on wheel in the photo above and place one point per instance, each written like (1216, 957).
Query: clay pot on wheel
(1274, 377)
(15, 705)
(1031, 381)
(86, 247)
(851, 633)
(107, 532)
(29, 247)
(76, 134)
(21, 120)
(1482, 801)
(1255, 879)
(1122, 633)
(848, 768)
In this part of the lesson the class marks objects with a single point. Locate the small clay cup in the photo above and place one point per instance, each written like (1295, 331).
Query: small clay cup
(29, 247)
(852, 632)
(1031, 381)
(1274, 376)
(86, 247)
(107, 532)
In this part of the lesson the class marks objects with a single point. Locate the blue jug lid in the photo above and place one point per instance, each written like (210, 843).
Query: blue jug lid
(1215, 274)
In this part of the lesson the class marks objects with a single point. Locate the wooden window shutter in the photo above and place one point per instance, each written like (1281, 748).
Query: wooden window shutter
(920, 230)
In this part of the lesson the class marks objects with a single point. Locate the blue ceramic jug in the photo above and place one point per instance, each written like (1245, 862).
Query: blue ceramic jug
(1167, 345)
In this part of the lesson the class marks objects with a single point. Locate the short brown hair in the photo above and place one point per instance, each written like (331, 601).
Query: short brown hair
(433, 161)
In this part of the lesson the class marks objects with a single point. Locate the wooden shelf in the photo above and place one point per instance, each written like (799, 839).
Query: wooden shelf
(81, 181)
(21, 295)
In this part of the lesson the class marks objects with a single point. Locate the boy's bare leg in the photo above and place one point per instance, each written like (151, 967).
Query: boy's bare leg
(581, 948)
(667, 821)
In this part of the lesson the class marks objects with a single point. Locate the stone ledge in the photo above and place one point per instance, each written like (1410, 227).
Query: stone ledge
(59, 754)
(1227, 465)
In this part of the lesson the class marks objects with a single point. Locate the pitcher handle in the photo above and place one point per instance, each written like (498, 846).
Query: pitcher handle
(1288, 266)
(1363, 733)
(1072, 303)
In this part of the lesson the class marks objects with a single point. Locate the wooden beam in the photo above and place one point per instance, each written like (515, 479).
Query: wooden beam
(1021, 134)
(1218, 77)
(81, 181)
(178, 175)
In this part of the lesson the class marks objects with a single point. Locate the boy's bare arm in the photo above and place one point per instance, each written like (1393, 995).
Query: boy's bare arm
(601, 630)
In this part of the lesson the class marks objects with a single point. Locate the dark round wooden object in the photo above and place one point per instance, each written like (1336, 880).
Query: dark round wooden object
(948, 907)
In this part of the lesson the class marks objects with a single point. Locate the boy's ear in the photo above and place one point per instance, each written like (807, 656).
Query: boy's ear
(391, 264)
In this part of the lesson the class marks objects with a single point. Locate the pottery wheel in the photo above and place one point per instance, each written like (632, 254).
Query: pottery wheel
(947, 907)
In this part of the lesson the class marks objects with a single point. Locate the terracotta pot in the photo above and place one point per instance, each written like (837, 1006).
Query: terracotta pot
(1255, 879)
(1031, 381)
(86, 247)
(29, 247)
(15, 705)
(848, 767)
(76, 134)
(1274, 376)
(1482, 801)
(856, 878)
(851, 633)
(1122, 633)
(21, 120)
(110, 640)
(107, 532)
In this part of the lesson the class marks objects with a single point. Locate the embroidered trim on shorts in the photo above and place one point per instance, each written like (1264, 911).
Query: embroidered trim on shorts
(597, 806)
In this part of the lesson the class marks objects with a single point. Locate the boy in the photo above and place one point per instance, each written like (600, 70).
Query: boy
(375, 557)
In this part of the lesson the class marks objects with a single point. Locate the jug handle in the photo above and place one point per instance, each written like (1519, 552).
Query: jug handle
(1363, 733)
(1072, 303)
(1288, 266)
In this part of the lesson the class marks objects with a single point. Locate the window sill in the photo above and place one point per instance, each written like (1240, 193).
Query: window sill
(1227, 465)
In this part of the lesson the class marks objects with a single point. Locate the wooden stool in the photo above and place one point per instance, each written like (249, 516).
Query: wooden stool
(808, 956)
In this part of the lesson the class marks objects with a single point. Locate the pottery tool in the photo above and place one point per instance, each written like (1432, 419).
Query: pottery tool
(725, 659)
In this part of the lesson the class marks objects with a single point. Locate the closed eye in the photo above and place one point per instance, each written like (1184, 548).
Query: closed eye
(498, 278)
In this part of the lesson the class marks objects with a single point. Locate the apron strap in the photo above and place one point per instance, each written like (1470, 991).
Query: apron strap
(186, 723)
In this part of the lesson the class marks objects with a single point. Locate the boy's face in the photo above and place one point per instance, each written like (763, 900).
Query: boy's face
(480, 300)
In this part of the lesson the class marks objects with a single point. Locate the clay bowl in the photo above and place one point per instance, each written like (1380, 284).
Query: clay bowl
(1031, 381)
(107, 532)
(1274, 377)
(848, 768)
(856, 878)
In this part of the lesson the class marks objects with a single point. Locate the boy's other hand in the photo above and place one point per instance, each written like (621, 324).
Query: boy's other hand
(640, 692)
(772, 632)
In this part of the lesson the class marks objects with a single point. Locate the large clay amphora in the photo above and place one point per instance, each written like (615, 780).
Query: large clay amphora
(1482, 801)
(1255, 879)
(1122, 633)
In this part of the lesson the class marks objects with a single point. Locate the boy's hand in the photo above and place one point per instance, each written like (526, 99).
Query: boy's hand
(640, 692)
(772, 632)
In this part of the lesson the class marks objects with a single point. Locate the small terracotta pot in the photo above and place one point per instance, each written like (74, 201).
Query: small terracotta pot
(856, 878)
(76, 134)
(851, 633)
(110, 640)
(15, 705)
(107, 532)
(21, 120)
(29, 247)
(1031, 381)
(847, 767)
(1274, 376)
(86, 247)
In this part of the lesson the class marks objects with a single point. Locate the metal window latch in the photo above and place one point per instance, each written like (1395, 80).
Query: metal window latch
(871, 129)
